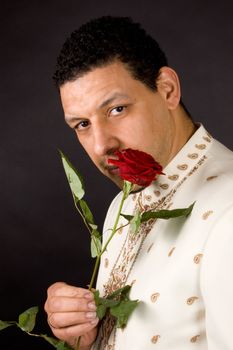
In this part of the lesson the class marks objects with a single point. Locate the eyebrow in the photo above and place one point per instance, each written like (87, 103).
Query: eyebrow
(112, 98)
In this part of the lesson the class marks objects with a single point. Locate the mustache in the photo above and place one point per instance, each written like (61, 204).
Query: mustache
(109, 166)
(105, 165)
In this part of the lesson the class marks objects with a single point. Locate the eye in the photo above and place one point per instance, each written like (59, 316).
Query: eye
(117, 110)
(82, 125)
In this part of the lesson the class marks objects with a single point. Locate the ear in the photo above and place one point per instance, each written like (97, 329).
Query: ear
(168, 86)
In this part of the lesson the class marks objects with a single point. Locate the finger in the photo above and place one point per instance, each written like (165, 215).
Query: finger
(61, 320)
(64, 304)
(63, 289)
(75, 330)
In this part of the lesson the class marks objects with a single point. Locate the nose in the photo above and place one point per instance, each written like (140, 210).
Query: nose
(104, 140)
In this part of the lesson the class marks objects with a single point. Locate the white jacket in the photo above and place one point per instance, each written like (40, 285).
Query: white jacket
(180, 269)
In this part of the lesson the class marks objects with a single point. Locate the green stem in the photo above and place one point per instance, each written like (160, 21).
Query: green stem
(114, 230)
(83, 217)
(86, 223)
(97, 261)
(115, 225)
(33, 334)
(107, 243)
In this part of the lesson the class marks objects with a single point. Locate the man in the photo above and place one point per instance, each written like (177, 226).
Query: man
(118, 92)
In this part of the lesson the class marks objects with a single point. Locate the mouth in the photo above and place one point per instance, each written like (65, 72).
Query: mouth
(112, 169)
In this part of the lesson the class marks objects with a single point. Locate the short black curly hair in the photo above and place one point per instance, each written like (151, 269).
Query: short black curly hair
(103, 40)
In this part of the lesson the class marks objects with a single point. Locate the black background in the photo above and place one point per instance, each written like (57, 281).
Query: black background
(42, 238)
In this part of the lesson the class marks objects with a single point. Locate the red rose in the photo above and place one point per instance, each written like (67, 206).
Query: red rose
(136, 166)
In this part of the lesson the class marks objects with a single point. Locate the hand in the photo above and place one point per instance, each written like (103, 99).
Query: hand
(72, 313)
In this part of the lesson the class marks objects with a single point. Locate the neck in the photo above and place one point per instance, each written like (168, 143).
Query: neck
(184, 129)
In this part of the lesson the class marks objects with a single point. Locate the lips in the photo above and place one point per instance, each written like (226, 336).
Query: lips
(112, 169)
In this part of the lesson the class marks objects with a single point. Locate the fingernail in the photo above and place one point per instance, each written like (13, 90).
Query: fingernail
(91, 315)
(88, 296)
(95, 321)
(91, 306)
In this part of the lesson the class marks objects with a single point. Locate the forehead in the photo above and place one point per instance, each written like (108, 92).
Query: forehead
(99, 85)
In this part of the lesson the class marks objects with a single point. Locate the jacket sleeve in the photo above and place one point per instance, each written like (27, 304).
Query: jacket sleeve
(217, 283)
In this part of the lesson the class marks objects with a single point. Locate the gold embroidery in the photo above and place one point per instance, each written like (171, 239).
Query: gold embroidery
(193, 155)
(173, 177)
(200, 146)
(182, 166)
(207, 214)
(191, 300)
(171, 251)
(169, 205)
(157, 193)
(195, 338)
(200, 162)
(133, 244)
(206, 138)
(120, 230)
(150, 247)
(155, 338)
(197, 258)
(105, 330)
(164, 186)
(154, 297)
(211, 177)
(132, 257)
(123, 265)
(106, 262)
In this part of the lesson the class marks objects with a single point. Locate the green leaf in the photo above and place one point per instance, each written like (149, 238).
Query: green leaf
(93, 226)
(108, 302)
(103, 304)
(96, 296)
(5, 324)
(101, 311)
(74, 178)
(27, 319)
(121, 292)
(127, 217)
(135, 222)
(166, 214)
(96, 246)
(117, 303)
(86, 212)
(123, 311)
(63, 346)
(96, 233)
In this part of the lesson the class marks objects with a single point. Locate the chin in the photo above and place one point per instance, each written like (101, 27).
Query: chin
(117, 181)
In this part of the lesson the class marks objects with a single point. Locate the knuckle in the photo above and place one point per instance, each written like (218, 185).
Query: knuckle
(53, 288)
(54, 304)
(79, 305)
(54, 320)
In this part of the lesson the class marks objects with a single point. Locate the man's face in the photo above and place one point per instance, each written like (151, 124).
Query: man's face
(110, 110)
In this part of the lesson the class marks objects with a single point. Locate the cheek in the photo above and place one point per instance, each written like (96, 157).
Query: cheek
(141, 136)
(87, 146)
